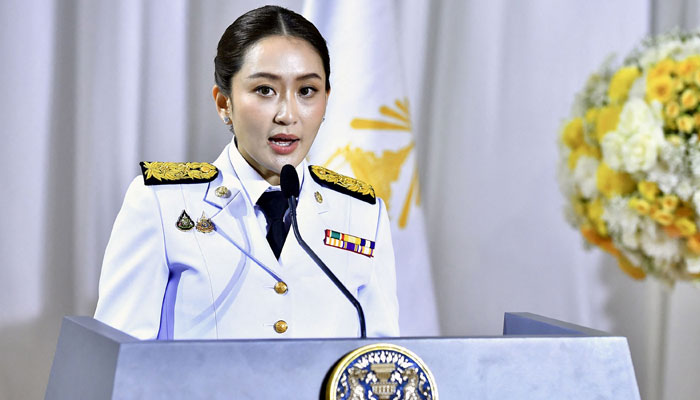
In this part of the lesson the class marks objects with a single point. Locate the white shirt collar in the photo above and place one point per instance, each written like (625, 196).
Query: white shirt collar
(251, 181)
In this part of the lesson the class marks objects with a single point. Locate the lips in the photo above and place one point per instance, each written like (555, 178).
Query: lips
(283, 143)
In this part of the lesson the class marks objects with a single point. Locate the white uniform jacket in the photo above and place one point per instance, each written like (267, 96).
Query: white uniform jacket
(158, 281)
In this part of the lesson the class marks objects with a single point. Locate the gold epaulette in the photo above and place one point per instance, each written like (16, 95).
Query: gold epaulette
(167, 173)
(343, 184)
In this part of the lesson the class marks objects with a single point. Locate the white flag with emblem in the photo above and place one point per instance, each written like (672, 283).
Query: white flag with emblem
(368, 134)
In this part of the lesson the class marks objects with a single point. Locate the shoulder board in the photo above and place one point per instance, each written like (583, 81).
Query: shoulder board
(343, 184)
(167, 173)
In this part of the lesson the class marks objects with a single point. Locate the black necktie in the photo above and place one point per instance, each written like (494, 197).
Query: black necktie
(273, 205)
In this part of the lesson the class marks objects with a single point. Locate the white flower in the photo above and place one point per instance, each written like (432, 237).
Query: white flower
(694, 156)
(684, 190)
(636, 116)
(585, 176)
(622, 221)
(696, 200)
(567, 185)
(665, 179)
(673, 155)
(657, 244)
(639, 152)
(638, 90)
(612, 149)
(692, 264)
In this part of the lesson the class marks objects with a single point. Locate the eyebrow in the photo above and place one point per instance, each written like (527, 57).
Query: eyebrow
(268, 75)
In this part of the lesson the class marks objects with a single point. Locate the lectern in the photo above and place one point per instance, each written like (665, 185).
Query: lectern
(536, 358)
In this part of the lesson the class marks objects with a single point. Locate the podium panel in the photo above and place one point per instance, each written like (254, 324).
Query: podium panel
(537, 358)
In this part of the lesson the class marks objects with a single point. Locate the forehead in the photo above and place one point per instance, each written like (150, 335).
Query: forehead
(282, 55)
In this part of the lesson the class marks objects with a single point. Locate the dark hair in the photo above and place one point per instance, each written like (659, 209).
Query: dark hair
(258, 24)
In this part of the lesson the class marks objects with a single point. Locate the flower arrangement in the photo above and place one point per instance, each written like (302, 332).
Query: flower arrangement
(630, 160)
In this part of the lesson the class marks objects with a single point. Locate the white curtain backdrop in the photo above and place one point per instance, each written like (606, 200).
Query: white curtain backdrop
(89, 88)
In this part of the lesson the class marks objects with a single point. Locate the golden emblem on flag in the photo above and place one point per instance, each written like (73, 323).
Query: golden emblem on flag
(382, 169)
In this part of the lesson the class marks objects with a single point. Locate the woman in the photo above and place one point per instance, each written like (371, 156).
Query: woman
(201, 250)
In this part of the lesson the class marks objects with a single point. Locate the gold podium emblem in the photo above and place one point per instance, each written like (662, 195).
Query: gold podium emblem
(383, 372)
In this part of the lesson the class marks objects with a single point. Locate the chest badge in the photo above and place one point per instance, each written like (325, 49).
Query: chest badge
(349, 242)
(204, 224)
(184, 223)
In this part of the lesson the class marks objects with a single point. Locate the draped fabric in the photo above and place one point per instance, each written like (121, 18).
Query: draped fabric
(89, 88)
(368, 135)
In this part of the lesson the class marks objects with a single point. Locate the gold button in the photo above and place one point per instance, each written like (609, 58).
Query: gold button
(281, 287)
(222, 191)
(280, 326)
(319, 198)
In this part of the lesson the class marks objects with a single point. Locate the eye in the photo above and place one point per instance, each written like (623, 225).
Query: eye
(307, 91)
(265, 90)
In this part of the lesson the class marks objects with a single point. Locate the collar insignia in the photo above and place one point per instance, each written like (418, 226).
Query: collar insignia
(165, 173)
(343, 184)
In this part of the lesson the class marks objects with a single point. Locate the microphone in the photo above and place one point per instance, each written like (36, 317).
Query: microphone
(289, 182)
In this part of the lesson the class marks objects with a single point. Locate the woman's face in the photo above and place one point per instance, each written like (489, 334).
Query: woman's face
(278, 100)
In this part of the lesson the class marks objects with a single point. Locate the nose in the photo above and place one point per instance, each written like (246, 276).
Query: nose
(288, 110)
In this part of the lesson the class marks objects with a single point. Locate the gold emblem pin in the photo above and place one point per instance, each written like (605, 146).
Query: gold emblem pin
(222, 191)
(204, 224)
(318, 197)
(184, 223)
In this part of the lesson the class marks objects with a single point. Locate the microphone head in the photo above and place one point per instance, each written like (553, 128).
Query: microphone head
(289, 181)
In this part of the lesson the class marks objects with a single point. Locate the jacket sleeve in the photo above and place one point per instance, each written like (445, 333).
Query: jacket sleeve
(135, 268)
(378, 298)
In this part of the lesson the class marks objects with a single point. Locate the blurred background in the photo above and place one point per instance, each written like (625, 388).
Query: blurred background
(90, 88)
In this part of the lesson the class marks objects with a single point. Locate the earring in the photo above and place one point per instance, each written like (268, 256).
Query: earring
(323, 119)
(227, 120)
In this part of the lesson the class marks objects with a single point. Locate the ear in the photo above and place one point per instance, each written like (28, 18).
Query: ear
(223, 105)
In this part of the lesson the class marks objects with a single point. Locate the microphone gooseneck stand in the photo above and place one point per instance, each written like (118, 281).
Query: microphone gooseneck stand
(290, 187)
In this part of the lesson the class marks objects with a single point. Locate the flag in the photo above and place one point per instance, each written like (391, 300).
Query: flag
(368, 134)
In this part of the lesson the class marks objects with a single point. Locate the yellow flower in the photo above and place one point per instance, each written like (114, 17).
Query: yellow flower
(685, 123)
(595, 214)
(630, 269)
(687, 67)
(621, 82)
(696, 78)
(683, 212)
(608, 117)
(674, 140)
(686, 227)
(660, 88)
(662, 217)
(672, 109)
(693, 243)
(689, 99)
(612, 183)
(669, 202)
(604, 243)
(583, 150)
(696, 118)
(663, 67)
(591, 115)
(678, 85)
(573, 133)
(641, 206)
(648, 190)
